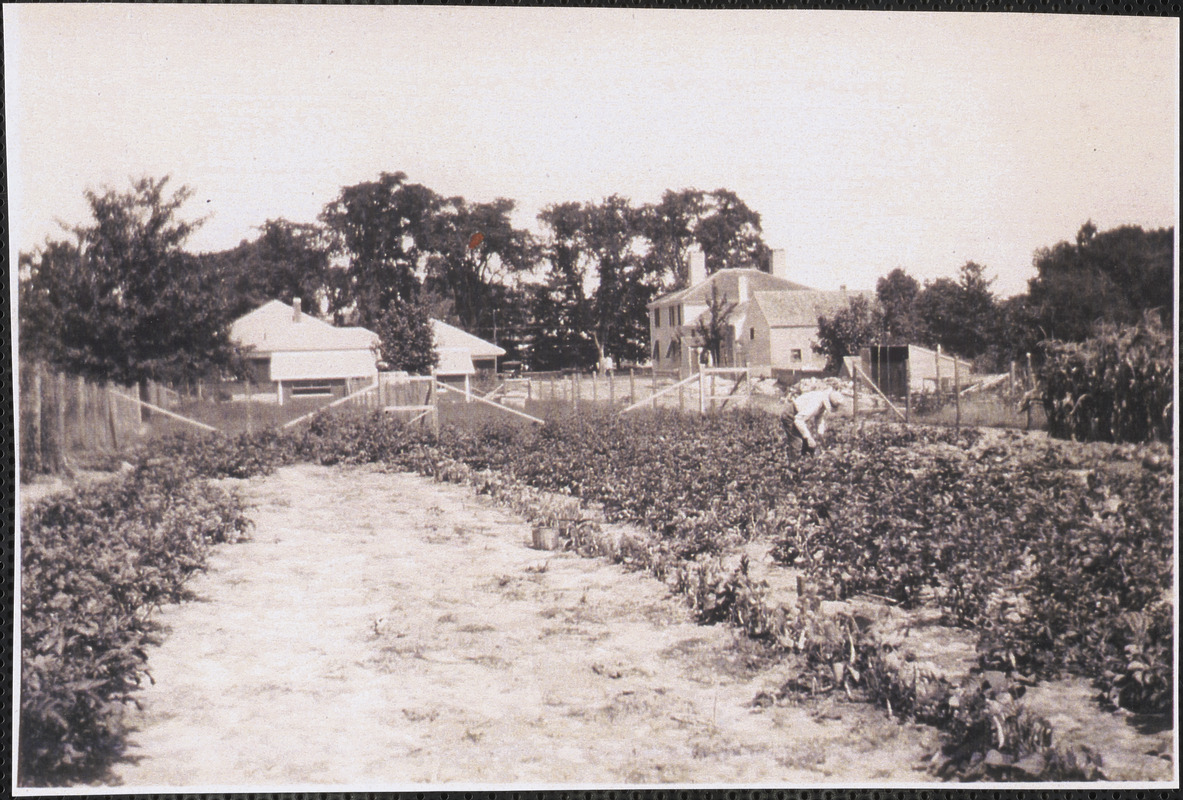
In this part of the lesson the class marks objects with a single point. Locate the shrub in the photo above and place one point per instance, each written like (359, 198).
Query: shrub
(1115, 387)
(95, 563)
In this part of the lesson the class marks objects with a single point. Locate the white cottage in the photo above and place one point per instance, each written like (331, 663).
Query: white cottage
(296, 355)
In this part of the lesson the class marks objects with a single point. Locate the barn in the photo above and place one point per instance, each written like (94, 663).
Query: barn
(295, 355)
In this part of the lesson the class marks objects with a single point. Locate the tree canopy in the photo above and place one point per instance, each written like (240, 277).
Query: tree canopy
(123, 301)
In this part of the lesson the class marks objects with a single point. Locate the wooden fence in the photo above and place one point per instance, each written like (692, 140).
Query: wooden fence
(63, 417)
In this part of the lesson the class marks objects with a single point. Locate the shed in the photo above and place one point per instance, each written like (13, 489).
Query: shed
(294, 354)
(892, 367)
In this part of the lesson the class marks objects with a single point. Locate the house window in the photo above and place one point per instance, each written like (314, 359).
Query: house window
(674, 351)
(752, 335)
(311, 389)
(673, 315)
(680, 315)
(656, 353)
(795, 355)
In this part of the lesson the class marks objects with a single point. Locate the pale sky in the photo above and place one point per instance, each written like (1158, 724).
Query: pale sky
(865, 140)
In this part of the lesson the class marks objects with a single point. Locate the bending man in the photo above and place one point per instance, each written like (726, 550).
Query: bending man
(806, 410)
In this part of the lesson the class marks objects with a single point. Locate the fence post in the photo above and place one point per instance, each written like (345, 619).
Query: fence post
(611, 388)
(435, 408)
(60, 463)
(908, 391)
(702, 393)
(632, 385)
(250, 405)
(1030, 388)
(681, 398)
(110, 408)
(957, 394)
(653, 378)
(35, 451)
(938, 375)
(854, 402)
(1012, 380)
(85, 416)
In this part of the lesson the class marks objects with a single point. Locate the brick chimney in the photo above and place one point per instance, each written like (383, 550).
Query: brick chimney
(698, 266)
(295, 309)
(780, 264)
(742, 280)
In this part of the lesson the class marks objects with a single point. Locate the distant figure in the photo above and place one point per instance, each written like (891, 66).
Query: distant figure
(806, 410)
(606, 365)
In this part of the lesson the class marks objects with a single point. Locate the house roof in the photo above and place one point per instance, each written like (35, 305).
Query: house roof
(792, 309)
(448, 337)
(454, 361)
(322, 365)
(272, 328)
(728, 282)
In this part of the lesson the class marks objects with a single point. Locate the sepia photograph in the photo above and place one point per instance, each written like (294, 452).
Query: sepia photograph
(580, 398)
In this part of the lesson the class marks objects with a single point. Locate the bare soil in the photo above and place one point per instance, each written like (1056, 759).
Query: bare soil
(382, 630)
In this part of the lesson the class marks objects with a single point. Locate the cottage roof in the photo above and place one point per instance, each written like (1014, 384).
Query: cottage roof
(793, 309)
(728, 282)
(448, 337)
(273, 328)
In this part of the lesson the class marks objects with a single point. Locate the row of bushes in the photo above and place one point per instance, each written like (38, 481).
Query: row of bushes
(95, 564)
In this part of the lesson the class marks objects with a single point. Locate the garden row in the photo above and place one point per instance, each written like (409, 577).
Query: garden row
(95, 564)
(1061, 559)
(1059, 556)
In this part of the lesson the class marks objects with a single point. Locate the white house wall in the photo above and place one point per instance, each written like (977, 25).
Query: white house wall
(323, 365)
(782, 341)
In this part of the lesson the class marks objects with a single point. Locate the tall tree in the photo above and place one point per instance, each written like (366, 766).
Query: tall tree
(288, 260)
(405, 338)
(960, 315)
(380, 228)
(730, 234)
(844, 332)
(562, 311)
(719, 222)
(611, 238)
(669, 227)
(897, 292)
(472, 249)
(124, 302)
(1113, 276)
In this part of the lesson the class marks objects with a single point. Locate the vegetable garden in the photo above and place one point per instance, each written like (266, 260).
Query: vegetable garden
(1059, 557)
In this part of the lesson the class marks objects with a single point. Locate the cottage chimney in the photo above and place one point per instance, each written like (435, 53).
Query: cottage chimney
(698, 266)
(742, 280)
(295, 309)
(780, 264)
(843, 289)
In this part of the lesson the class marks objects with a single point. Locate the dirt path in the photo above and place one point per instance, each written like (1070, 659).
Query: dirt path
(384, 630)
